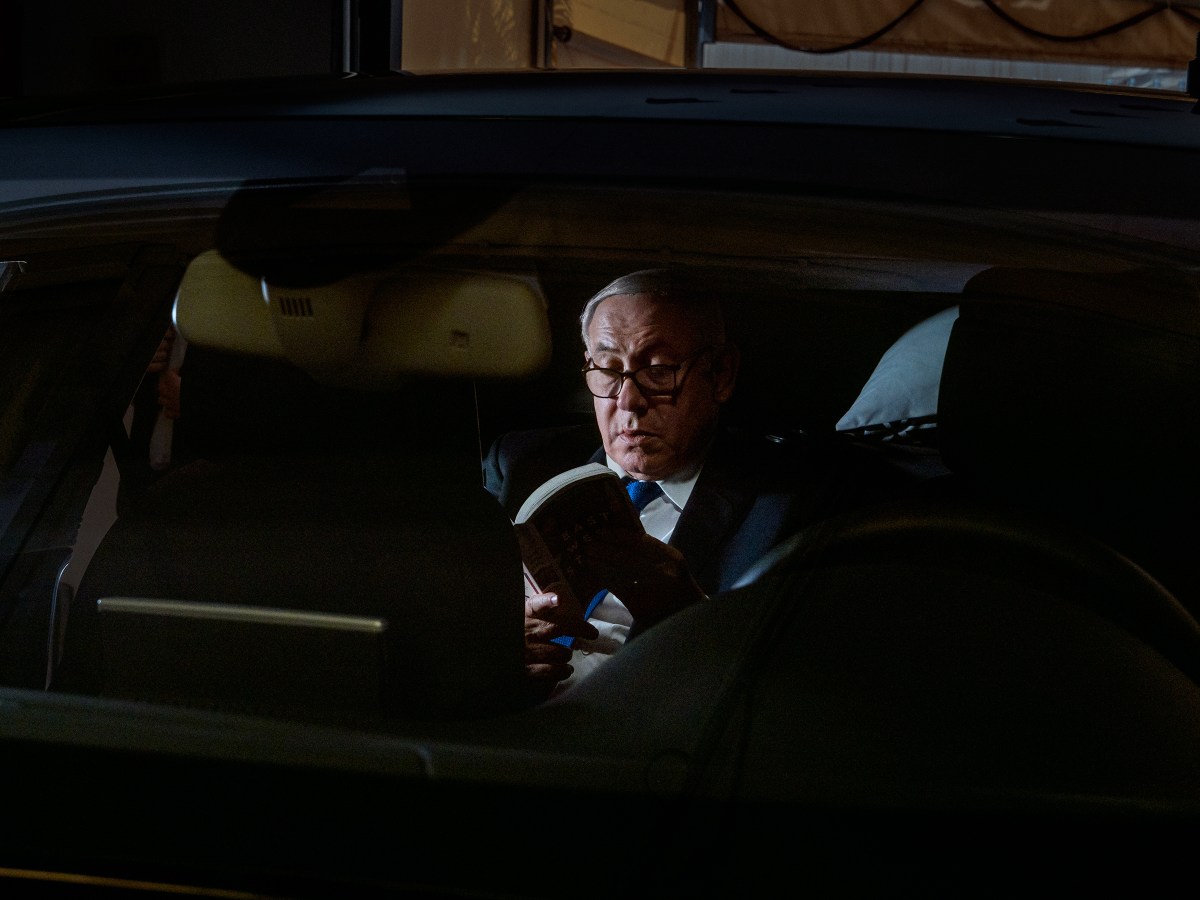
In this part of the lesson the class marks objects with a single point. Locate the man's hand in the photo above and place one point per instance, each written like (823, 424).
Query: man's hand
(168, 378)
(168, 392)
(649, 577)
(546, 663)
(162, 353)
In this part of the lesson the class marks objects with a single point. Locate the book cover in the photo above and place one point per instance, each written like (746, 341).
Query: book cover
(560, 517)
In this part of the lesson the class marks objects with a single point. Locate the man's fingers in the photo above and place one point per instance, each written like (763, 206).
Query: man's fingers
(548, 674)
(540, 603)
(541, 631)
(548, 654)
(561, 619)
(162, 353)
(547, 663)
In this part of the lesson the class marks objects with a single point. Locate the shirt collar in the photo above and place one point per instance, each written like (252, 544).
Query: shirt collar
(677, 487)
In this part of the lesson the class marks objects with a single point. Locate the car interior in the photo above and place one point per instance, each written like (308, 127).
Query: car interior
(1006, 603)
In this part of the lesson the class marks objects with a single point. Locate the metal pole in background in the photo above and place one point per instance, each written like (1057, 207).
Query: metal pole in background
(701, 29)
(545, 19)
(368, 36)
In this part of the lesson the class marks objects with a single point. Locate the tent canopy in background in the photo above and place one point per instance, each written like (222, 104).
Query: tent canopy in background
(1105, 32)
(1111, 32)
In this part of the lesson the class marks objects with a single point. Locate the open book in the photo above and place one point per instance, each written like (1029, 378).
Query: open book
(560, 517)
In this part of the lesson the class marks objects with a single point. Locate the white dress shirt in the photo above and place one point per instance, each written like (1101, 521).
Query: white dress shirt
(610, 616)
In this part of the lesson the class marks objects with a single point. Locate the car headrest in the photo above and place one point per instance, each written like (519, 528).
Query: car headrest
(1081, 376)
(1075, 393)
(1167, 299)
(373, 330)
(902, 391)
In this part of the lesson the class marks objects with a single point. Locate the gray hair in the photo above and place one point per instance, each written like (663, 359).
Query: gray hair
(668, 286)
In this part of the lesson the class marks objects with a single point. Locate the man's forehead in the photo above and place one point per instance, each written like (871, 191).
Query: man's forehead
(644, 319)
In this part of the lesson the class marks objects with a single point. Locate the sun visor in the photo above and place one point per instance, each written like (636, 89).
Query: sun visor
(371, 330)
(472, 324)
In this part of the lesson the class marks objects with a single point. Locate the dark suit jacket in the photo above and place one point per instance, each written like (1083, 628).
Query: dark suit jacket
(751, 494)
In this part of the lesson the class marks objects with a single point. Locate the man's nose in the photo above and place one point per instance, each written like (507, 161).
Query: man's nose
(630, 396)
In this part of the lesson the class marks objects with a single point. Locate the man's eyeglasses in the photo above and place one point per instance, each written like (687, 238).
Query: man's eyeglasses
(652, 381)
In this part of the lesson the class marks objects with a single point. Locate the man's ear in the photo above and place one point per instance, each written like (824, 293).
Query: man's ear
(725, 365)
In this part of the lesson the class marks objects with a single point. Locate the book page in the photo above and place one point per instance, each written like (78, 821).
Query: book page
(587, 501)
(553, 486)
(542, 571)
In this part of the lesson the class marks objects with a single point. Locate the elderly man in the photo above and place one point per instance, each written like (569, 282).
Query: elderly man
(660, 368)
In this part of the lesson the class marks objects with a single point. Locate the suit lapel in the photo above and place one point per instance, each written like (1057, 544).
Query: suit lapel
(706, 524)
(723, 529)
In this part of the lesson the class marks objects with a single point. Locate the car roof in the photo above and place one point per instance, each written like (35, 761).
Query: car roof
(916, 138)
(938, 103)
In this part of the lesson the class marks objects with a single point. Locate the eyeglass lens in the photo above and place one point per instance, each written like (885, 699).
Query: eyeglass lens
(651, 381)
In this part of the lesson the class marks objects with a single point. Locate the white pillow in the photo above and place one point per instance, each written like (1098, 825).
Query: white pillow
(905, 381)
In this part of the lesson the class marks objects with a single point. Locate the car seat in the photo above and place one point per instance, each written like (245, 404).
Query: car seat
(1072, 395)
(1007, 628)
(357, 496)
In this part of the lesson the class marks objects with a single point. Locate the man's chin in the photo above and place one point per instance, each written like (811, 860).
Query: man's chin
(644, 466)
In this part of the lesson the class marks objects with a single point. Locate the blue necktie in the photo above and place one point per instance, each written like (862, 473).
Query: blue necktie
(641, 493)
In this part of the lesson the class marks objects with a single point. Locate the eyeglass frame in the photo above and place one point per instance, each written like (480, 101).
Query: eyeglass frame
(633, 374)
